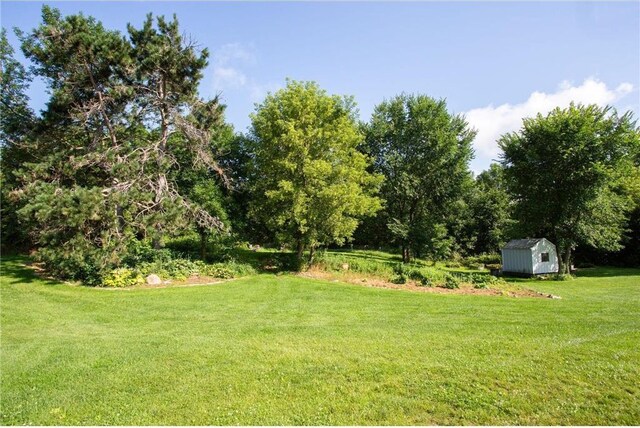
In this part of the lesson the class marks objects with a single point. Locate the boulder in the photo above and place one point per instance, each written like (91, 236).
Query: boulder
(154, 279)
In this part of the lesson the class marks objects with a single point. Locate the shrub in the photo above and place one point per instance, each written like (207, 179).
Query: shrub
(415, 274)
(563, 277)
(472, 263)
(401, 273)
(218, 271)
(399, 279)
(488, 259)
(453, 264)
(122, 277)
(425, 282)
(451, 282)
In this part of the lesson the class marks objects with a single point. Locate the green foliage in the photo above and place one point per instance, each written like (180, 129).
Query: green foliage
(451, 282)
(490, 207)
(401, 274)
(124, 150)
(16, 123)
(360, 263)
(423, 152)
(122, 277)
(427, 277)
(309, 182)
(182, 269)
(569, 173)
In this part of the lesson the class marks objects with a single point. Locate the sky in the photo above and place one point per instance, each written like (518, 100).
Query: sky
(494, 62)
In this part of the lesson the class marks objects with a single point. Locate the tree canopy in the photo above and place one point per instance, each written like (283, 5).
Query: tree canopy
(309, 181)
(121, 111)
(572, 174)
(423, 153)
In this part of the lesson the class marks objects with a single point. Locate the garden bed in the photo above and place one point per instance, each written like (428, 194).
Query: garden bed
(510, 290)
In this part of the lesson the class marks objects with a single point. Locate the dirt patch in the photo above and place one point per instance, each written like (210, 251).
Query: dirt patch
(189, 282)
(370, 281)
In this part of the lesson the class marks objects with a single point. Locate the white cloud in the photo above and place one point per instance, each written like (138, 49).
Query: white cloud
(228, 77)
(491, 122)
(234, 52)
(229, 63)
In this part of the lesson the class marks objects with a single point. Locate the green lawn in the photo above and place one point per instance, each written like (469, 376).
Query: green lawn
(284, 350)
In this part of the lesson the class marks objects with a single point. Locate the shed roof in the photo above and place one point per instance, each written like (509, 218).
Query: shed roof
(522, 244)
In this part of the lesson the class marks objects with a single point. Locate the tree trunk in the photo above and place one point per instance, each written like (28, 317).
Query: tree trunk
(311, 254)
(299, 252)
(406, 255)
(564, 261)
(567, 260)
(203, 245)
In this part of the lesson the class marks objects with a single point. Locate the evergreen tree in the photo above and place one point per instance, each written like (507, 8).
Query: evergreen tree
(104, 176)
(16, 123)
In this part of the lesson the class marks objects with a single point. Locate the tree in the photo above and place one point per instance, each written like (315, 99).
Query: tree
(103, 177)
(568, 173)
(309, 182)
(490, 210)
(423, 152)
(16, 122)
(167, 71)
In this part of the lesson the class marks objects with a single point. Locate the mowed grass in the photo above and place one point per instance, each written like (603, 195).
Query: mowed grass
(270, 349)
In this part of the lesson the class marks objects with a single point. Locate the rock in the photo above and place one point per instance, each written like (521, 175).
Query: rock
(554, 297)
(345, 266)
(154, 279)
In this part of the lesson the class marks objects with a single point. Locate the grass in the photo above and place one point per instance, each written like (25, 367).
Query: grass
(271, 350)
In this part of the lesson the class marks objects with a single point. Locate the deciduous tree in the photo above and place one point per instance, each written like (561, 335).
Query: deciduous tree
(572, 175)
(309, 182)
(423, 152)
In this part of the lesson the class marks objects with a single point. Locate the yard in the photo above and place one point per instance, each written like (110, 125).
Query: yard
(281, 349)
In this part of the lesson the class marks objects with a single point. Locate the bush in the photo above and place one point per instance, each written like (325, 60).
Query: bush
(181, 269)
(451, 282)
(453, 264)
(399, 279)
(425, 282)
(472, 263)
(122, 277)
(563, 277)
(218, 271)
(488, 259)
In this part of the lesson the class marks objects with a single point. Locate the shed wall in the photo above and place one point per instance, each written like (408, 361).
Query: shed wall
(540, 267)
(517, 260)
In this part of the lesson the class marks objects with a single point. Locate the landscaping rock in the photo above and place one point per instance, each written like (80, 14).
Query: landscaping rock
(154, 279)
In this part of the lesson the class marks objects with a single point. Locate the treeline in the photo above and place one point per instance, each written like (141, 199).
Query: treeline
(126, 155)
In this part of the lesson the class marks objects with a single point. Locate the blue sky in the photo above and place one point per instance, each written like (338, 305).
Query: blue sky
(495, 62)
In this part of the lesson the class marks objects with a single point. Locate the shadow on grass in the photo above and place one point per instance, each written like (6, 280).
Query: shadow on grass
(606, 271)
(364, 255)
(266, 261)
(14, 270)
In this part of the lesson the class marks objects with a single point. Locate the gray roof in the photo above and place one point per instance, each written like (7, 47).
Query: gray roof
(521, 244)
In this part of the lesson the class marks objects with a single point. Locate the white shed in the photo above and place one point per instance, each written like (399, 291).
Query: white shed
(529, 257)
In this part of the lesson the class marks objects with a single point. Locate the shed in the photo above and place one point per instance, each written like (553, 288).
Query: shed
(529, 257)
